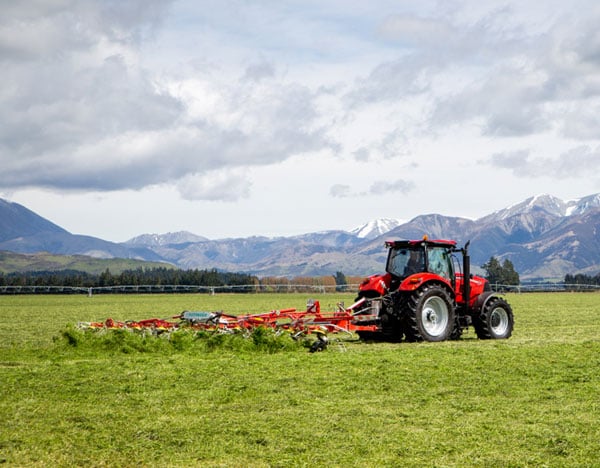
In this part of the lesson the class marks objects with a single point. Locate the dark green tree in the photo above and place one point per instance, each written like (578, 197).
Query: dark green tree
(493, 270)
(106, 278)
(497, 273)
(509, 274)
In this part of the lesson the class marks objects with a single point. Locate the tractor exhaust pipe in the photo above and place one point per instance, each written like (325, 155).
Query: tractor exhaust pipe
(467, 275)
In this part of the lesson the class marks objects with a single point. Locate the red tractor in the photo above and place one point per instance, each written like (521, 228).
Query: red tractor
(423, 296)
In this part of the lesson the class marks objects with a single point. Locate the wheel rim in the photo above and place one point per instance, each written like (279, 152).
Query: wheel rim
(434, 316)
(499, 322)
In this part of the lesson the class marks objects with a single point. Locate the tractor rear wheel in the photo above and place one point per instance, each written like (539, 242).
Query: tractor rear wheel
(496, 320)
(429, 314)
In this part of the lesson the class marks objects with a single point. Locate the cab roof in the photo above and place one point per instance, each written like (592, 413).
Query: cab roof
(424, 241)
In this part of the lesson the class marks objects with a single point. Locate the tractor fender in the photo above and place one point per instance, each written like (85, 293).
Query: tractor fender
(483, 299)
(418, 280)
(375, 286)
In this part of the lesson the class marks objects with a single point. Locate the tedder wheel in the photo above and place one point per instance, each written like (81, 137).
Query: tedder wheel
(496, 320)
(429, 314)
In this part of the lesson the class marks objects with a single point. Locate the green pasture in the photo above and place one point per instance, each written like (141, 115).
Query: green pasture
(532, 400)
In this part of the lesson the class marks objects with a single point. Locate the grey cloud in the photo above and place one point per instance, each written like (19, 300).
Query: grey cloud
(259, 71)
(42, 29)
(508, 77)
(577, 162)
(507, 103)
(58, 109)
(361, 154)
(391, 145)
(525, 92)
(137, 159)
(412, 31)
(380, 187)
(88, 116)
(391, 81)
(220, 186)
(583, 122)
(511, 160)
(340, 191)
(409, 74)
(68, 84)
(428, 48)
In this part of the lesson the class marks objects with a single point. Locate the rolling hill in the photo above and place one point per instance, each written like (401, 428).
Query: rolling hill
(11, 262)
(23, 231)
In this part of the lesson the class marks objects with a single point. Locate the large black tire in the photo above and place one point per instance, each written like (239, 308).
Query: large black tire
(496, 320)
(370, 336)
(429, 314)
(390, 328)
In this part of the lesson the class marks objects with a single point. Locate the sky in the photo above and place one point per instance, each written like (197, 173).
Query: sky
(277, 118)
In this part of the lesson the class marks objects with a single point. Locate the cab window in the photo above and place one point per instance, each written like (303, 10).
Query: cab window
(438, 262)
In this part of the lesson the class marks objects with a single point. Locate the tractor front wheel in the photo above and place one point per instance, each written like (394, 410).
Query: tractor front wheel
(496, 320)
(429, 314)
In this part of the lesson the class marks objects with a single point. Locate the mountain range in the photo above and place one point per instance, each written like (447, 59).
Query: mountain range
(543, 236)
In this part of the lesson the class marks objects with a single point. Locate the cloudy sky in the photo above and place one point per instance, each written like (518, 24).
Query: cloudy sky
(239, 118)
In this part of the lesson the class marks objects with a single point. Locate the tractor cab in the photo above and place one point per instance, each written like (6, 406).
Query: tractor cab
(406, 258)
(411, 263)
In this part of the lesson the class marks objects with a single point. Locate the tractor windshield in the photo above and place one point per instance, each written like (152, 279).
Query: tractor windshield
(403, 262)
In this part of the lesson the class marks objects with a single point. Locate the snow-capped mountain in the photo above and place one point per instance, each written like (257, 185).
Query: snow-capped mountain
(375, 228)
(582, 205)
(552, 205)
(544, 237)
(170, 238)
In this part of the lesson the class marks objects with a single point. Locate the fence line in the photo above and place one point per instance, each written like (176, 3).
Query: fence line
(261, 288)
(545, 287)
(174, 288)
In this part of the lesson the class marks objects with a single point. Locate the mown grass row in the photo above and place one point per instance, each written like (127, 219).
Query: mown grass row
(124, 340)
(527, 401)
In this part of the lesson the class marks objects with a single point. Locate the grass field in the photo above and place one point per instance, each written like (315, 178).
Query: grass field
(532, 400)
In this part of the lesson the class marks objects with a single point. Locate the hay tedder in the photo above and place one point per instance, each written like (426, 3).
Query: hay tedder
(296, 322)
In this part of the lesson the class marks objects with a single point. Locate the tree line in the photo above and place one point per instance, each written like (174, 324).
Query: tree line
(161, 276)
(582, 279)
(139, 276)
(505, 274)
